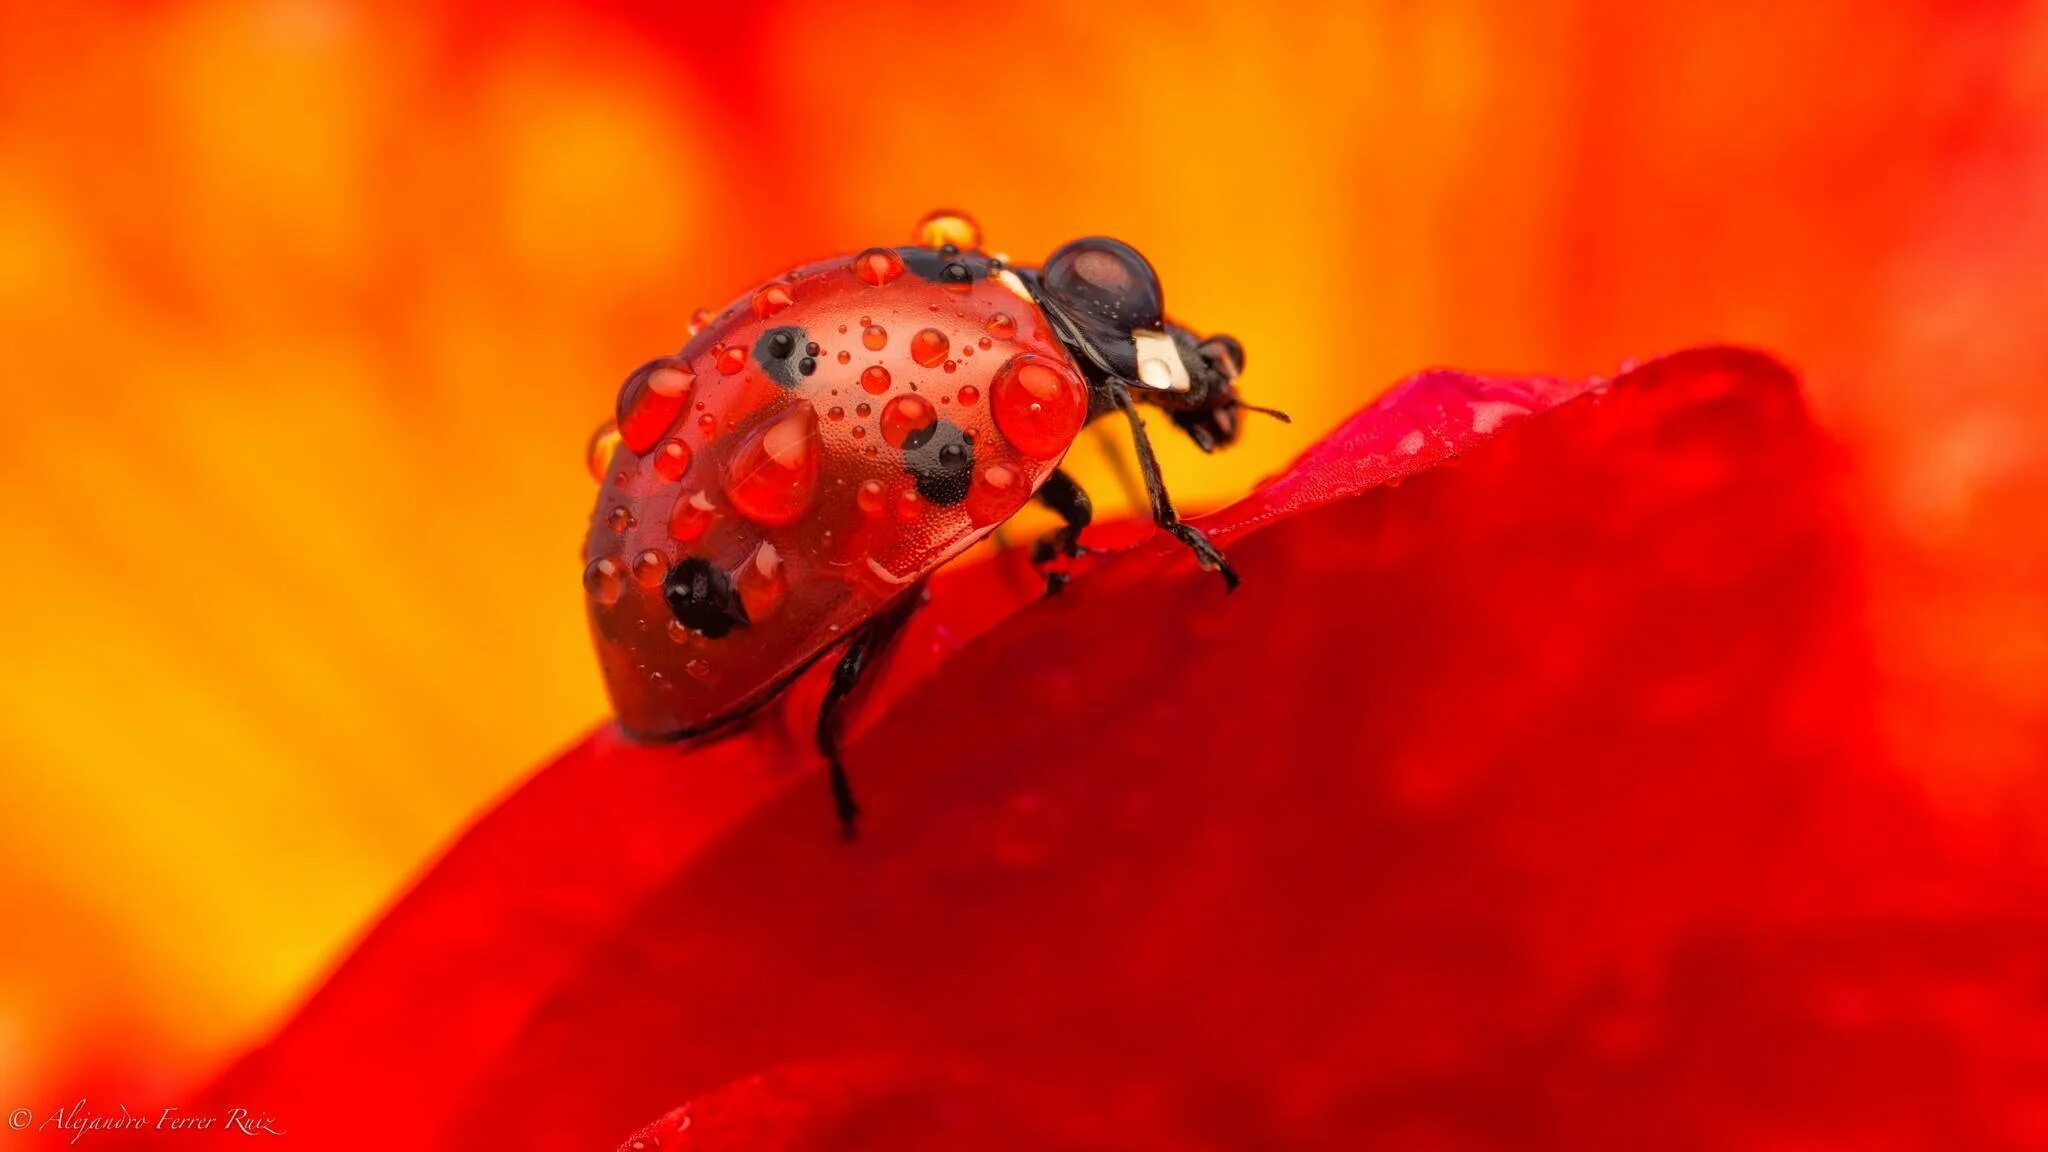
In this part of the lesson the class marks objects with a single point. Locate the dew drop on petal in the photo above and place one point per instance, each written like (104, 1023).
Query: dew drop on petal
(774, 476)
(601, 580)
(598, 453)
(948, 226)
(692, 517)
(928, 347)
(1039, 405)
(671, 460)
(878, 266)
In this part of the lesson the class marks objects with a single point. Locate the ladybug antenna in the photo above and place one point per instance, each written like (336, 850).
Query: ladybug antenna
(1275, 413)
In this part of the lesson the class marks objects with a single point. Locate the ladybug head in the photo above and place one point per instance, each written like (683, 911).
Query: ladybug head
(1108, 298)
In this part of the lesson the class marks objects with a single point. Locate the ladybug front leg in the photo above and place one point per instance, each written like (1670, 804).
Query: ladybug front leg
(1067, 499)
(862, 652)
(1206, 554)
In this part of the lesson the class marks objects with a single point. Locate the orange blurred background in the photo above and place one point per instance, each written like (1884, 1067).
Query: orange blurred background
(308, 309)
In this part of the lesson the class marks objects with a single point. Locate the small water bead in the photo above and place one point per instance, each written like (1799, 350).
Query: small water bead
(844, 356)
(859, 432)
(649, 568)
(998, 491)
(948, 226)
(763, 583)
(678, 631)
(874, 337)
(651, 401)
(708, 425)
(835, 413)
(773, 478)
(877, 266)
(812, 348)
(601, 580)
(908, 421)
(952, 366)
(967, 350)
(731, 358)
(985, 342)
(842, 329)
(692, 518)
(671, 460)
(969, 394)
(872, 500)
(875, 379)
(863, 409)
(699, 320)
(598, 453)
(1039, 405)
(620, 519)
(928, 347)
(909, 505)
(772, 299)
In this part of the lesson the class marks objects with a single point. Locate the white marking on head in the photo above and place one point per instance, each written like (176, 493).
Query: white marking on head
(1159, 363)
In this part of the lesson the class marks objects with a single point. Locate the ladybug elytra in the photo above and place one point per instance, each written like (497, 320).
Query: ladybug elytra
(785, 483)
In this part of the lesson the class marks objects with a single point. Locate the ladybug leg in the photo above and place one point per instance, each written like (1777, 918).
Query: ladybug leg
(1071, 503)
(862, 652)
(1206, 554)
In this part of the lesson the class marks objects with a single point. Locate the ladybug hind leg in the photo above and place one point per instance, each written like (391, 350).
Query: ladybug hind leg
(1206, 554)
(862, 653)
(1070, 502)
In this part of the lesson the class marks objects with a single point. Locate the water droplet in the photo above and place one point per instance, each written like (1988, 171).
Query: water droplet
(763, 583)
(928, 347)
(1002, 326)
(859, 432)
(878, 266)
(874, 337)
(708, 425)
(774, 476)
(956, 277)
(692, 517)
(863, 409)
(649, 567)
(620, 519)
(969, 394)
(984, 342)
(871, 498)
(951, 366)
(844, 356)
(772, 299)
(875, 379)
(908, 421)
(672, 459)
(948, 226)
(700, 320)
(968, 349)
(997, 493)
(731, 358)
(835, 413)
(598, 453)
(651, 401)
(1039, 405)
(699, 670)
(601, 580)
(909, 505)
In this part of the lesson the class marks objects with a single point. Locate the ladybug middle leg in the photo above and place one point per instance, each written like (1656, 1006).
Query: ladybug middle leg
(1163, 514)
(1070, 502)
(862, 652)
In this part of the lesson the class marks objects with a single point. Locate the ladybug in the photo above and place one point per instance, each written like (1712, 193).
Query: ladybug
(784, 484)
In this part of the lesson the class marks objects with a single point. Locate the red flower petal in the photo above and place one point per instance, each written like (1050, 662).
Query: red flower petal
(1531, 803)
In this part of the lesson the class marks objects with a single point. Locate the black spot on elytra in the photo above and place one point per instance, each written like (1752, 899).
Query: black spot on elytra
(778, 352)
(941, 266)
(703, 597)
(941, 459)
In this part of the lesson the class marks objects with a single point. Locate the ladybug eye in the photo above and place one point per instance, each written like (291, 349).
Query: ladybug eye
(1108, 279)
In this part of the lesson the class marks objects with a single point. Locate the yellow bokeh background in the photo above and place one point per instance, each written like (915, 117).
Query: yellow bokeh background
(307, 309)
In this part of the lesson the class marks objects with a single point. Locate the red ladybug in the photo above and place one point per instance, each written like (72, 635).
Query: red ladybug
(786, 482)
